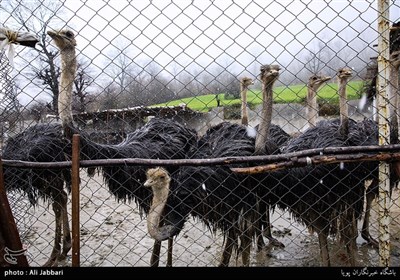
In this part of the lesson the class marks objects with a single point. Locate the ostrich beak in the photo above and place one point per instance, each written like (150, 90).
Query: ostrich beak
(53, 34)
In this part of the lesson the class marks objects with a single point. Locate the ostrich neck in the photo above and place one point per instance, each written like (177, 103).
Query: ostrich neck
(156, 209)
(312, 110)
(343, 107)
(68, 71)
(266, 117)
(245, 117)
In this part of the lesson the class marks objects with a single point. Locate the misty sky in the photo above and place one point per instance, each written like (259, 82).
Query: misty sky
(184, 34)
(206, 30)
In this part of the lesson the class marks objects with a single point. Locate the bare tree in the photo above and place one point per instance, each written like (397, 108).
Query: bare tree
(9, 104)
(37, 110)
(316, 59)
(119, 66)
(82, 82)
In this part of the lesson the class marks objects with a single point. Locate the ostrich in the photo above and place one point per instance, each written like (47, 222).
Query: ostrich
(212, 194)
(314, 83)
(159, 138)
(327, 199)
(158, 179)
(41, 143)
(221, 199)
(245, 82)
(269, 139)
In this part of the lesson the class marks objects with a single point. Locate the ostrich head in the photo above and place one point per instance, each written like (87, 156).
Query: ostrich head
(344, 74)
(245, 82)
(158, 179)
(269, 73)
(64, 39)
(316, 81)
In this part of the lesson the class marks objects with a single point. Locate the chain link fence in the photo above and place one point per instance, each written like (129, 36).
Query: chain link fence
(138, 61)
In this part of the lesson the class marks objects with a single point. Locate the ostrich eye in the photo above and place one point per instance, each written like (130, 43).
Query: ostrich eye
(69, 34)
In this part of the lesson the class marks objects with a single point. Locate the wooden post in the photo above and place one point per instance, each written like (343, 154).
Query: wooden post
(75, 202)
(14, 254)
(382, 90)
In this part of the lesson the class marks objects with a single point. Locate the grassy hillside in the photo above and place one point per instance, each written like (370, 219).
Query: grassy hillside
(282, 94)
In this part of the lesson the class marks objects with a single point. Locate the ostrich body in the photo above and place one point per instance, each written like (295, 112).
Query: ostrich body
(314, 83)
(43, 143)
(245, 82)
(279, 137)
(159, 138)
(327, 199)
(221, 199)
(40, 143)
(214, 194)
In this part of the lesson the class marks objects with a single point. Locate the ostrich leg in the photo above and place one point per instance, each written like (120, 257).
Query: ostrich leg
(66, 229)
(351, 244)
(268, 232)
(155, 255)
(323, 247)
(370, 196)
(57, 208)
(246, 244)
(226, 254)
(170, 248)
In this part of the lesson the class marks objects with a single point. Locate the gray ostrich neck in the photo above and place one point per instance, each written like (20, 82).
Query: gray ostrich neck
(245, 117)
(266, 117)
(312, 109)
(68, 71)
(343, 107)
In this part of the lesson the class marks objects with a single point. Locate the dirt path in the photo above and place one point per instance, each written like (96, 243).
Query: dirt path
(113, 234)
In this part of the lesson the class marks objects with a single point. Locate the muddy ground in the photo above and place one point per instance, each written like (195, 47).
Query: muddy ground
(113, 234)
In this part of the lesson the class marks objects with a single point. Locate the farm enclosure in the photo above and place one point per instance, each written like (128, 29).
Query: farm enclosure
(141, 53)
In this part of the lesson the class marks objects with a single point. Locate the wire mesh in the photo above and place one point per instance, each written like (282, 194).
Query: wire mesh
(139, 61)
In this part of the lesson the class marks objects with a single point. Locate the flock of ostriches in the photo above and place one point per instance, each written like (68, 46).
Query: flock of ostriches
(327, 199)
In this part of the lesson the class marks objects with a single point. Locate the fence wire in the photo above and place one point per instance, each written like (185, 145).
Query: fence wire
(200, 68)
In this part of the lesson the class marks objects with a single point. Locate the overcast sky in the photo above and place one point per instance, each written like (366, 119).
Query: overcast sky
(205, 30)
(201, 32)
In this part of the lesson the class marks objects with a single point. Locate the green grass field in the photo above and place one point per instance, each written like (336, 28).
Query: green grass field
(282, 94)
